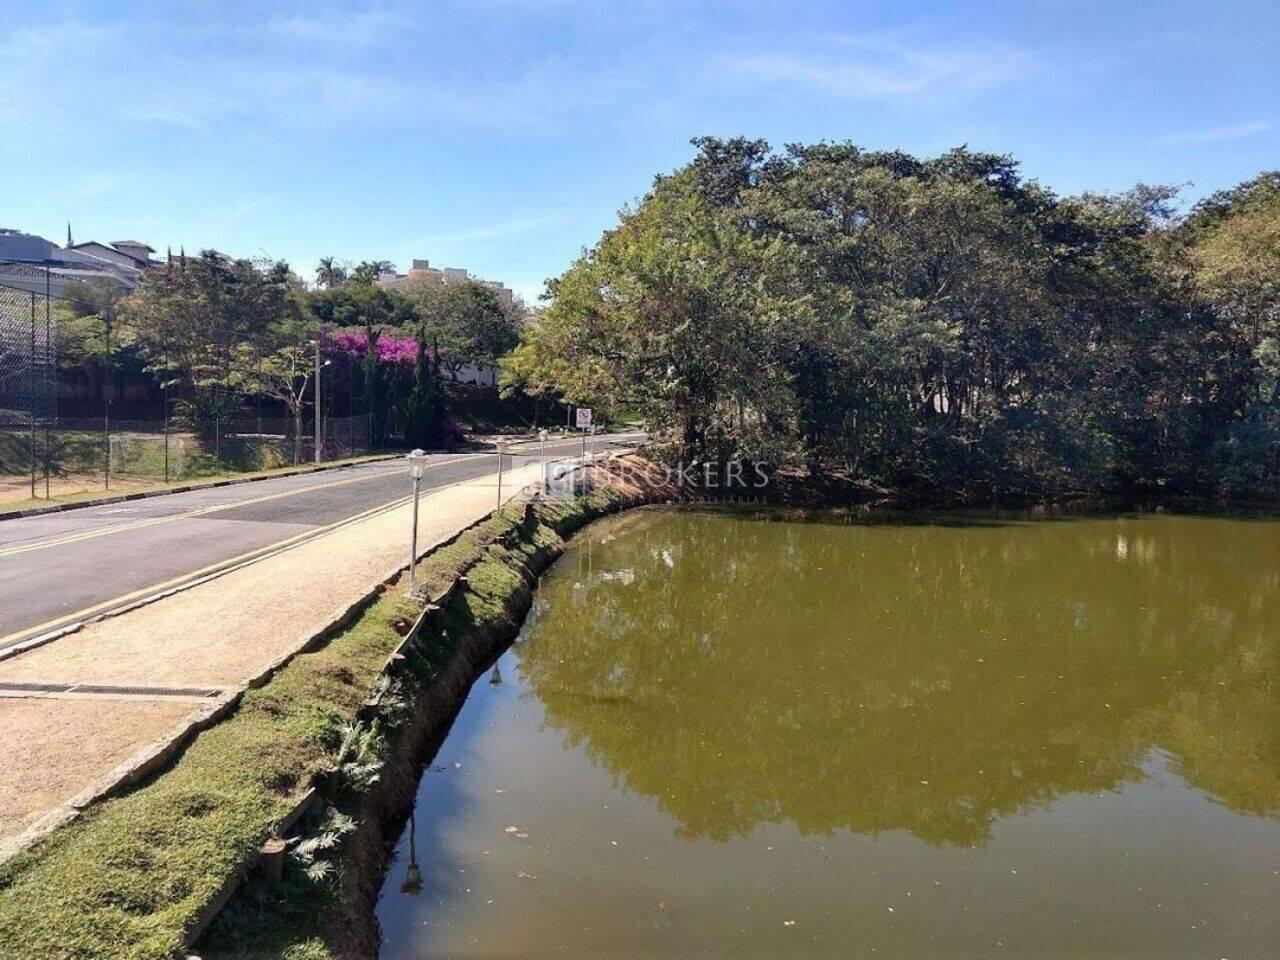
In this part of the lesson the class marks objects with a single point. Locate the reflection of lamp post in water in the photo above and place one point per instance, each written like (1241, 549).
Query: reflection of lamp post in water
(495, 678)
(412, 875)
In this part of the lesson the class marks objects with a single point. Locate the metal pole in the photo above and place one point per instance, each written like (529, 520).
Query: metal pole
(164, 396)
(31, 393)
(317, 442)
(499, 475)
(51, 371)
(413, 542)
(106, 406)
(542, 455)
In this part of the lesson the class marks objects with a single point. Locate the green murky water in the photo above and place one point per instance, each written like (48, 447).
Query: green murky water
(732, 737)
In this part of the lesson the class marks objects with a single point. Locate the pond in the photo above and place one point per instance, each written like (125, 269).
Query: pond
(823, 736)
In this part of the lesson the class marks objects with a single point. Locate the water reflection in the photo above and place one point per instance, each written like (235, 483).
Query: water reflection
(412, 882)
(928, 678)
(932, 736)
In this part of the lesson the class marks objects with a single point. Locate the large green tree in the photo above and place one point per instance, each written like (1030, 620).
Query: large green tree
(1232, 247)
(467, 320)
(942, 326)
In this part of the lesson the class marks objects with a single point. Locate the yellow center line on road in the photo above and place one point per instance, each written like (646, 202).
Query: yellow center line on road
(198, 512)
(260, 553)
(192, 578)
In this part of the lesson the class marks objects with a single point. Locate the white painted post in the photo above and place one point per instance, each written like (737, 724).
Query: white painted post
(417, 464)
(502, 448)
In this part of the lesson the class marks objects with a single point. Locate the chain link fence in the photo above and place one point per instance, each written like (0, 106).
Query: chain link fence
(47, 457)
(28, 387)
(70, 457)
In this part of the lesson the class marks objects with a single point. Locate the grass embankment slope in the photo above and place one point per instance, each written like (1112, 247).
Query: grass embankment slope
(134, 875)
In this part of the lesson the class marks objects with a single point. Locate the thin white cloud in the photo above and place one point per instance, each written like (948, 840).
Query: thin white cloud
(875, 67)
(92, 185)
(363, 28)
(1214, 134)
(234, 211)
(486, 232)
(169, 115)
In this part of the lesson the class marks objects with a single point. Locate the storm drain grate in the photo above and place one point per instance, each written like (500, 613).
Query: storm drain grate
(148, 691)
(107, 690)
(17, 686)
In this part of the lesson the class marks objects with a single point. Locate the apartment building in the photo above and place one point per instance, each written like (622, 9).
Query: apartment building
(422, 272)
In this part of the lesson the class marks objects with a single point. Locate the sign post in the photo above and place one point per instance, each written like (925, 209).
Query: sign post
(584, 424)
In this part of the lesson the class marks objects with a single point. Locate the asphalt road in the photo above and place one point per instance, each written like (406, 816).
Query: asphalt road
(62, 567)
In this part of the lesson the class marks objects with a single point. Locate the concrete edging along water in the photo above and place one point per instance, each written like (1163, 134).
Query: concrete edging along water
(382, 810)
(48, 903)
(165, 749)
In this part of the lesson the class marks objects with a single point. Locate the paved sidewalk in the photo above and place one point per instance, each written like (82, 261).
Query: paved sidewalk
(211, 637)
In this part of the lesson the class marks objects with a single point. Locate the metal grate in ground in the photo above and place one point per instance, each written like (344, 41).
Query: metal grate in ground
(36, 688)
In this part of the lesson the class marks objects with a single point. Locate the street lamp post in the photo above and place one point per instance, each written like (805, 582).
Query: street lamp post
(417, 464)
(318, 365)
(316, 442)
(164, 390)
(542, 455)
(502, 448)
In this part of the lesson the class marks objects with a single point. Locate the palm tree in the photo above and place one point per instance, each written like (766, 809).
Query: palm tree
(330, 273)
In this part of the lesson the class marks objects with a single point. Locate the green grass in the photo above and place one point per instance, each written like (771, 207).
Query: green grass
(131, 875)
(128, 878)
(292, 922)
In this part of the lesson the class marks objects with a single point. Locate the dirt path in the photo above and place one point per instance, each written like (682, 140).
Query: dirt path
(210, 638)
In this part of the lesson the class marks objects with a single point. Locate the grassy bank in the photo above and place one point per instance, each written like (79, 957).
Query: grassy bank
(133, 876)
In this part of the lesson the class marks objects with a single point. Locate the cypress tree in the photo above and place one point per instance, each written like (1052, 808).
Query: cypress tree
(372, 387)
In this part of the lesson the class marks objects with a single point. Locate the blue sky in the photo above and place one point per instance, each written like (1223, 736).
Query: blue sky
(503, 135)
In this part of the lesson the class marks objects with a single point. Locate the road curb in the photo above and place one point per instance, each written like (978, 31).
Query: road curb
(185, 488)
(162, 752)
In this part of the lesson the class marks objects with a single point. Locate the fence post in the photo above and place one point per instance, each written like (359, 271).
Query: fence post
(51, 371)
(217, 446)
(31, 397)
(106, 433)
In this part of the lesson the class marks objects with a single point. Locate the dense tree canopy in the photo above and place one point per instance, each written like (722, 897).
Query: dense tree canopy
(221, 331)
(466, 321)
(944, 325)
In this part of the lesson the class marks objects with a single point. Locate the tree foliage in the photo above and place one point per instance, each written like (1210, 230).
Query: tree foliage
(942, 325)
(467, 322)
